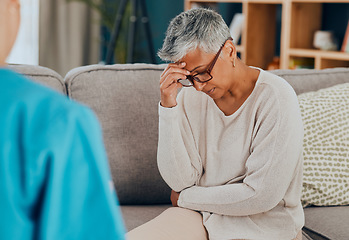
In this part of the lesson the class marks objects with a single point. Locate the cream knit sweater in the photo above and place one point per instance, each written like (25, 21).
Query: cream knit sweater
(243, 172)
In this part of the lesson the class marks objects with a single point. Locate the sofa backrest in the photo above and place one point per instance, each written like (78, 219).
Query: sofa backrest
(41, 75)
(306, 80)
(125, 98)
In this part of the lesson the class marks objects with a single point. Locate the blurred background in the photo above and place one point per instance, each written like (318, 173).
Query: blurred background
(63, 34)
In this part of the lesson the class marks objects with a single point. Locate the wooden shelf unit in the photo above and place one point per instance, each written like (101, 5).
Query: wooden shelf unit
(300, 20)
(322, 59)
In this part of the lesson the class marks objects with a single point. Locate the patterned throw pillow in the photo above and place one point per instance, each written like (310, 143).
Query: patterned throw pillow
(325, 116)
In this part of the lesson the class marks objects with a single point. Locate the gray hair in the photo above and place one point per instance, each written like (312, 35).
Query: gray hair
(197, 28)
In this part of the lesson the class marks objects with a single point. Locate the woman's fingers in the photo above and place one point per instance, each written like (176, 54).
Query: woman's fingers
(169, 83)
(171, 79)
(170, 65)
(174, 68)
(171, 90)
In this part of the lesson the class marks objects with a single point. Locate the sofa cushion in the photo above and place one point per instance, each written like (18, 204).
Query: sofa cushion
(306, 80)
(327, 222)
(125, 98)
(325, 116)
(42, 75)
(136, 215)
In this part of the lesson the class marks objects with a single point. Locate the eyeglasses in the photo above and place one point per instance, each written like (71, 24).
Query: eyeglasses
(204, 76)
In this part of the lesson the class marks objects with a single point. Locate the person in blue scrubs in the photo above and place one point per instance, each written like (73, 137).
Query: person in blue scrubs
(55, 181)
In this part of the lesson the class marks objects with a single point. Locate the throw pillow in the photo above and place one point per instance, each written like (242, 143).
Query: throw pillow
(325, 116)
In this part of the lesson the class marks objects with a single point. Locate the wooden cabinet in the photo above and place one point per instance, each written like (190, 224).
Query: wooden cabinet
(299, 21)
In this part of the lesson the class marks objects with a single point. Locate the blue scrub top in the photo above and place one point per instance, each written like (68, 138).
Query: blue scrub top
(54, 174)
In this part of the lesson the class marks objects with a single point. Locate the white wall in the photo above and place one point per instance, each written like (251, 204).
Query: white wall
(26, 48)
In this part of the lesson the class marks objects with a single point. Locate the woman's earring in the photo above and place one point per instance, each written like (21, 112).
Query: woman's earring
(234, 62)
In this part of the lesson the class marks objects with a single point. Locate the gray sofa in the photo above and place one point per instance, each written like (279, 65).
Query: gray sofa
(125, 99)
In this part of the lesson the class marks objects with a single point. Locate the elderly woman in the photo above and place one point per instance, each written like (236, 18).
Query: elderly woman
(230, 143)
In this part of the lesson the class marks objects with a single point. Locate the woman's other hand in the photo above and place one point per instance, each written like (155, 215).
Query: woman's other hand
(174, 198)
(169, 83)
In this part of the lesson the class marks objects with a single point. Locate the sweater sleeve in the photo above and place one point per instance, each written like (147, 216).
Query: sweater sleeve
(275, 158)
(178, 158)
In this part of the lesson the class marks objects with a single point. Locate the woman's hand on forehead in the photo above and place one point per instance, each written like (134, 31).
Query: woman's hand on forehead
(169, 83)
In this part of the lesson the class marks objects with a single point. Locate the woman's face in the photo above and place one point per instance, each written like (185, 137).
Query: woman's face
(9, 24)
(198, 61)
